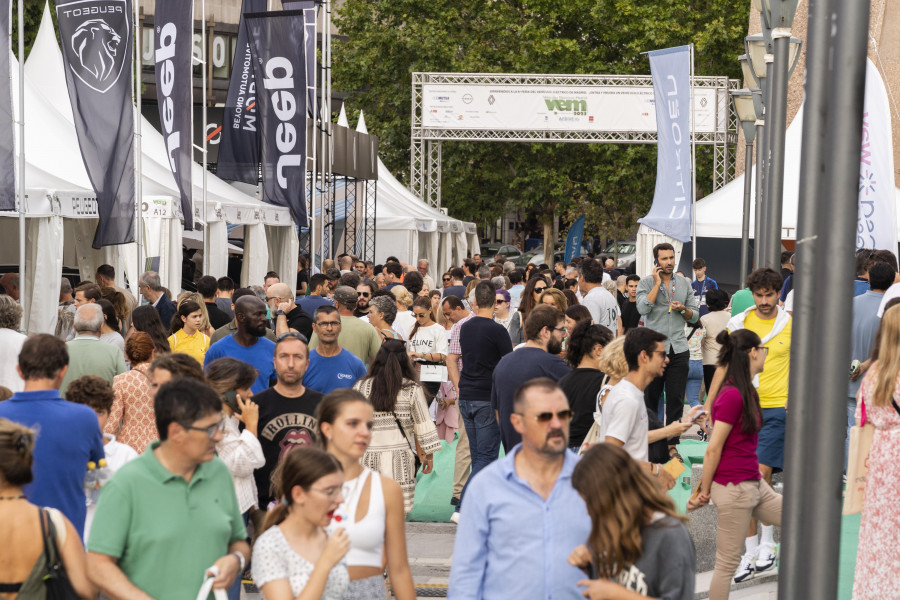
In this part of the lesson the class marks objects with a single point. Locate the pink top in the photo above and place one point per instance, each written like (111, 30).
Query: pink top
(739, 462)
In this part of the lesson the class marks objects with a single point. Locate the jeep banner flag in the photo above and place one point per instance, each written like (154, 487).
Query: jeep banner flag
(172, 56)
(309, 40)
(239, 144)
(670, 212)
(280, 71)
(97, 56)
(7, 140)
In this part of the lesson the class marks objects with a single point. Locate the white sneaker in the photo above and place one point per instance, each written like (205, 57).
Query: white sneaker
(454, 518)
(746, 569)
(765, 557)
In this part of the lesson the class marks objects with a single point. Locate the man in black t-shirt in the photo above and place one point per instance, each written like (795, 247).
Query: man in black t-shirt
(286, 410)
(286, 314)
(630, 315)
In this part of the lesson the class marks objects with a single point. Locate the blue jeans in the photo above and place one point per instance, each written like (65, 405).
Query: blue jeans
(484, 435)
(695, 378)
(851, 421)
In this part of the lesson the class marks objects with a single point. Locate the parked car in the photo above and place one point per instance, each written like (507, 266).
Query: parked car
(626, 252)
(507, 251)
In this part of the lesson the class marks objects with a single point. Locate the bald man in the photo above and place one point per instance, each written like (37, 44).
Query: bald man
(249, 342)
(287, 314)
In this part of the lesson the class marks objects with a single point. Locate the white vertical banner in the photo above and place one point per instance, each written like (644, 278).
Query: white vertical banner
(876, 225)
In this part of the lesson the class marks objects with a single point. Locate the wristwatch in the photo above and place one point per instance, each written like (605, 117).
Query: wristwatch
(279, 312)
(682, 311)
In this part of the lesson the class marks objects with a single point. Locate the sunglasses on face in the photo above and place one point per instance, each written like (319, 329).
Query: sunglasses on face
(363, 294)
(538, 290)
(546, 417)
(499, 302)
(446, 279)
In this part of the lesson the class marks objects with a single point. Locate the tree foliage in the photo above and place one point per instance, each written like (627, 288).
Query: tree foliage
(387, 40)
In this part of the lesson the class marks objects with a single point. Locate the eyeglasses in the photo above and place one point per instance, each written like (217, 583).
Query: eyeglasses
(328, 324)
(270, 298)
(538, 290)
(546, 417)
(210, 431)
(329, 493)
(364, 294)
(763, 348)
(291, 334)
(559, 328)
(663, 352)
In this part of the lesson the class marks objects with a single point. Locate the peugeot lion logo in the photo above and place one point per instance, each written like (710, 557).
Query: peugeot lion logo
(96, 45)
(98, 39)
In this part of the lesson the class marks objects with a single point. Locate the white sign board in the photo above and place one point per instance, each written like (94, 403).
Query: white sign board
(556, 108)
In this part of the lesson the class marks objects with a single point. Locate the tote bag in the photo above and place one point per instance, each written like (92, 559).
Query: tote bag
(858, 463)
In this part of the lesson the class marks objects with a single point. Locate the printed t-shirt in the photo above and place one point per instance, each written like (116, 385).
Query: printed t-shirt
(773, 381)
(665, 569)
(328, 373)
(739, 462)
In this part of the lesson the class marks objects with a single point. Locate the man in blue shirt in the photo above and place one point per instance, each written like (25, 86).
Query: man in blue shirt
(330, 366)
(317, 296)
(522, 517)
(249, 342)
(702, 284)
(68, 434)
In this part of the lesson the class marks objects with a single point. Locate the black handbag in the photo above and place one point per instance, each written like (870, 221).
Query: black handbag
(56, 581)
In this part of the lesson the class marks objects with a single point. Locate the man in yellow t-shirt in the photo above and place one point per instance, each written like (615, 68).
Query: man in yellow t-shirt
(773, 326)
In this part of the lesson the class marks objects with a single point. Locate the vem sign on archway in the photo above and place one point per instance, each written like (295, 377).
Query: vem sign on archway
(612, 109)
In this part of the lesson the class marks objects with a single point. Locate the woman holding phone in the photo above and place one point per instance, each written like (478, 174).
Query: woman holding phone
(731, 476)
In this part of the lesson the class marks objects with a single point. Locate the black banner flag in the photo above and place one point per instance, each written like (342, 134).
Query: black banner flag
(309, 8)
(172, 56)
(97, 56)
(280, 71)
(239, 145)
(7, 139)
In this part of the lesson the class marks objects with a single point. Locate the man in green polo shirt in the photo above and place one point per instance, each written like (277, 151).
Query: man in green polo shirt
(170, 515)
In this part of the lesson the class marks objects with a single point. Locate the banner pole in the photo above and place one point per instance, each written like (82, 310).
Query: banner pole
(693, 167)
(313, 146)
(138, 152)
(23, 295)
(204, 73)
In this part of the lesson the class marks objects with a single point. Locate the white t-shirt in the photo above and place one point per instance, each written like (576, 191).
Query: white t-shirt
(430, 339)
(403, 323)
(11, 342)
(624, 417)
(891, 293)
(604, 308)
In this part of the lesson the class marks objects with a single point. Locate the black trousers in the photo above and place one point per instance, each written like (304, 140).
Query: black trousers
(674, 380)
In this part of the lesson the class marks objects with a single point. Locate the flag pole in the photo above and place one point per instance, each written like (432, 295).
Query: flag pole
(311, 217)
(204, 73)
(693, 166)
(138, 188)
(23, 295)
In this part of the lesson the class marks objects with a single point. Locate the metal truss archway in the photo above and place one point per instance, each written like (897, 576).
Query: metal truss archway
(425, 160)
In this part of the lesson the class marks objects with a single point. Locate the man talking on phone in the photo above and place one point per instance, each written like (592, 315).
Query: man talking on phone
(666, 301)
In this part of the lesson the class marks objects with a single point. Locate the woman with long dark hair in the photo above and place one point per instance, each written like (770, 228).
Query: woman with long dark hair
(401, 419)
(145, 318)
(730, 467)
(531, 295)
(187, 336)
(109, 329)
(372, 511)
(295, 557)
(638, 546)
(583, 383)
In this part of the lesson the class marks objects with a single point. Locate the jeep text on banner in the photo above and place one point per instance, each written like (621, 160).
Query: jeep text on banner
(174, 87)
(239, 144)
(97, 56)
(280, 68)
(309, 8)
(7, 140)
(671, 210)
(876, 222)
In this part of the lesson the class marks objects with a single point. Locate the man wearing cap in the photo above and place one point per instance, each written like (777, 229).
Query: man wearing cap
(356, 336)
(332, 276)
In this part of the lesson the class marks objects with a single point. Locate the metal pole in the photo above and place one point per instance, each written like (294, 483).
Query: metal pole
(693, 168)
(204, 73)
(765, 214)
(778, 120)
(745, 224)
(138, 152)
(758, 223)
(831, 147)
(24, 298)
(313, 146)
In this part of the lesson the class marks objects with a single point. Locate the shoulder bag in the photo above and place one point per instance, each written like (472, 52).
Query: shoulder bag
(593, 434)
(858, 461)
(56, 581)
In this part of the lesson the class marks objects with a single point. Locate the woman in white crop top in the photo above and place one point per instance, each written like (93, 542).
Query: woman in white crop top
(372, 512)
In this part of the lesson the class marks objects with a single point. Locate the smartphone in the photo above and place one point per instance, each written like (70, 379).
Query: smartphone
(854, 367)
(655, 263)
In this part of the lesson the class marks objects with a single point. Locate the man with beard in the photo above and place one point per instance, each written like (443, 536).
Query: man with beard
(286, 410)
(364, 293)
(545, 329)
(286, 313)
(630, 315)
(249, 342)
(330, 366)
(511, 542)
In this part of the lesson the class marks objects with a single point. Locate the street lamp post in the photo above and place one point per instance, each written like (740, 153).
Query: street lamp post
(746, 112)
(755, 67)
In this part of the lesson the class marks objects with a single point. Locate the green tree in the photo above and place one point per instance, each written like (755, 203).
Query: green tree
(387, 40)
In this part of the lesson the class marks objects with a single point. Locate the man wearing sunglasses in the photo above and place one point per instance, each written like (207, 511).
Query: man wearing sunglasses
(364, 292)
(172, 510)
(522, 517)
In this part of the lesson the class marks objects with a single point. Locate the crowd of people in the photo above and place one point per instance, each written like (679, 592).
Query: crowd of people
(147, 446)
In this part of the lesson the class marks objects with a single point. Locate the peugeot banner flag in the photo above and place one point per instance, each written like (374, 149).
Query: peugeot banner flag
(172, 56)
(309, 39)
(7, 139)
(280, 71)
(239, 145)
(97, 57)
(670, 212)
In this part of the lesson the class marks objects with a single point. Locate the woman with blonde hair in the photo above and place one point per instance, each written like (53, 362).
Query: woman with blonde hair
(638, 546)
(878, 563)
(30, 532)
(555, 297)
(404, 321)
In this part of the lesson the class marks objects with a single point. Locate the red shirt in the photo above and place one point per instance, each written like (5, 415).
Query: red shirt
(739, 462)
